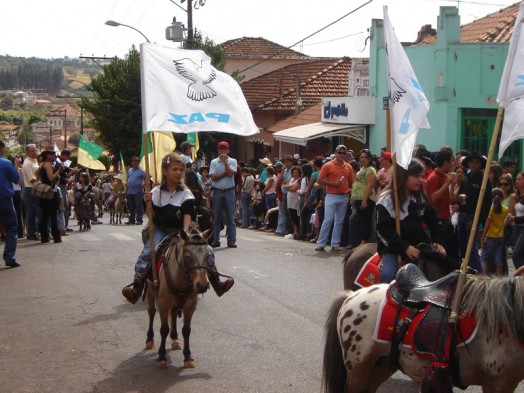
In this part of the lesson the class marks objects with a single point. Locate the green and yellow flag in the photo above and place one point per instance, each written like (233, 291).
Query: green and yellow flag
(160, 144)
(88, 153)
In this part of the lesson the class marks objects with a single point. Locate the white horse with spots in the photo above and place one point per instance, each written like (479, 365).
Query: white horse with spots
(355, 362)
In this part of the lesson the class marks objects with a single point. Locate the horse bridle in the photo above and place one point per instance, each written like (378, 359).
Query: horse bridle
(180, 253)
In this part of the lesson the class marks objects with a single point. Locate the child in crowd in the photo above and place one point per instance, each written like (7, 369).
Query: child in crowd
(492, 241)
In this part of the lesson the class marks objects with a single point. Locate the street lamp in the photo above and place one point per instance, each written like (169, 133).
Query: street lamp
(116, 24)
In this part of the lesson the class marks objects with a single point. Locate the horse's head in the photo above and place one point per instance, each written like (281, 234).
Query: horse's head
(195, 256)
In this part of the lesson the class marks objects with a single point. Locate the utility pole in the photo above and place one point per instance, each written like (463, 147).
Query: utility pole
(190, 35)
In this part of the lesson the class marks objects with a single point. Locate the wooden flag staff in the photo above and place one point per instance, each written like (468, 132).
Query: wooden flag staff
(453, 317)
(149, 212)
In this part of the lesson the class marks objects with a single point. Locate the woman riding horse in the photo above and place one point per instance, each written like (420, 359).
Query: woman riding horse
(173, 209)
(415, 212)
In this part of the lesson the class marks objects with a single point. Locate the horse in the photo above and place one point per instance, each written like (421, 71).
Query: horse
(83, 212)
(433, 264)
(98, 200)
(355, 362)
(117, 208)
(182, 277)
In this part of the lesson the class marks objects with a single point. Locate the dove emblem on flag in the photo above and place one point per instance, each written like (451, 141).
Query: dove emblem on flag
(200, 76)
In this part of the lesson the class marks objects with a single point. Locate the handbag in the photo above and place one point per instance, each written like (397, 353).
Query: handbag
(44, 191)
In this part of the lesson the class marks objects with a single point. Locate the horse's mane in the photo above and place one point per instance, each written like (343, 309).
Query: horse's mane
(497, 303)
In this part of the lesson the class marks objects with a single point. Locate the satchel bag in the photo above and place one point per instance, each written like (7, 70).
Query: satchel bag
(44, 191)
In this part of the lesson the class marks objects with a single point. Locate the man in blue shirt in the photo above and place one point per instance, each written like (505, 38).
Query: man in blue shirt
(8, 176)
(136, 179)
(222, 173)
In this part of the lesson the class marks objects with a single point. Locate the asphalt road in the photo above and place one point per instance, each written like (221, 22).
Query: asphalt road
(66, 328)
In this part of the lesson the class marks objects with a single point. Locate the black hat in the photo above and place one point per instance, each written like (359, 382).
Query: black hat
(426, 157)
(66, 152)
(474, 156)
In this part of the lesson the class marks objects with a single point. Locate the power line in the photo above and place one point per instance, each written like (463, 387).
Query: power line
(309, 36)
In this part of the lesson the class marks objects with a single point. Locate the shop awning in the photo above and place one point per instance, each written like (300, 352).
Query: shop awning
(302, 134)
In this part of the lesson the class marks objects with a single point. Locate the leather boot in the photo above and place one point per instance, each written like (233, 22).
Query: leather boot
(220, 287)
(132, 292)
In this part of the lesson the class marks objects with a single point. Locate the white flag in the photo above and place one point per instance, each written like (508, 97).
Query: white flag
(511, 90)
(183, 92)
(408, 103)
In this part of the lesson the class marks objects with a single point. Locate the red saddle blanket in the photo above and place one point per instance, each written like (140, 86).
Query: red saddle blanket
(370, 272)
(467, 325)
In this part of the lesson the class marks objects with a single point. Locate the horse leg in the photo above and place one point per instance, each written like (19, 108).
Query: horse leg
(189, 308)
(176, 344)
(151, 311)
(164, 331)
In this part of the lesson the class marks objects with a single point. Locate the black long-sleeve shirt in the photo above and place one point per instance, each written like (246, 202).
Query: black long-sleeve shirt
(470, 186)
(414, 219)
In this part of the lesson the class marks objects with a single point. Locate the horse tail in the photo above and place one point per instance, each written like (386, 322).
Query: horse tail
(334, 374)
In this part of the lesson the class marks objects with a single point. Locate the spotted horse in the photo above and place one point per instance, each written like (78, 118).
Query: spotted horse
(357, 360)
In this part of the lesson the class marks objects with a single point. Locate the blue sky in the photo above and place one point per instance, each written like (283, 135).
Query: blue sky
(58, 28)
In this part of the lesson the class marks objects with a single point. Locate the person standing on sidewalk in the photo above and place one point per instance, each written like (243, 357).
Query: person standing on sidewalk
(63, 184)
(33, 212)
(337, 177)
(8, 176)
(136, 179)
(222, 172)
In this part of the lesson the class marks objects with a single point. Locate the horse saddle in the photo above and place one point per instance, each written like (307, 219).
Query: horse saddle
(412, 288)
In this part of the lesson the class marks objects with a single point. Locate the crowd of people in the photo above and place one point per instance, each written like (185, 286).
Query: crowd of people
(345, 200)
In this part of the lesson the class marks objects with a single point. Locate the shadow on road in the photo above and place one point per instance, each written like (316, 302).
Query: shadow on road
(116, 315)
(139, 374)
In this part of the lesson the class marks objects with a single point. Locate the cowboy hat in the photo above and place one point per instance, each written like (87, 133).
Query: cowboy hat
(474, 156)
(265, 161)
(47, 150)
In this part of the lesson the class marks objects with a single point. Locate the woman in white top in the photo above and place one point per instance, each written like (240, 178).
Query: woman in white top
(292, 199)
(516, 209)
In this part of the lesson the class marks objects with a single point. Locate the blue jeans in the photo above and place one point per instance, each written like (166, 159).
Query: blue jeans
(224, 200)
(135, 203)
(493, 253)
(8, 220)
(33, 212)
(463, 237)
(389, 268)
(518, 248)
(145, 256)
(245, 211)
(334, 211)
(271, 200)
(283, 224)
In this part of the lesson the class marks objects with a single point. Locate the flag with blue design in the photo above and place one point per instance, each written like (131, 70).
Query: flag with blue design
(183, 92)
(408, 103)
(511, 90)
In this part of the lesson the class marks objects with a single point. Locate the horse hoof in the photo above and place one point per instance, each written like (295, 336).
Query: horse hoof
(161, 363)
(150, 345)
(189, 363)
(176, 345)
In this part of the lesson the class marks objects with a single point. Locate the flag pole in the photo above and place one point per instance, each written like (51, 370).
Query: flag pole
(149, 212)
(393, 174)
(463, 267)
(153, 143)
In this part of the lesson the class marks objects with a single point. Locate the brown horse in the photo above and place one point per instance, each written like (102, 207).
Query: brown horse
(431, 263)
(183, 276)
(116, 209)
(355, 361)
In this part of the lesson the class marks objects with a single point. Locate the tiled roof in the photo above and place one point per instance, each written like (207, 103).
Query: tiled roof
(495, 27)
(258, 48)
(310, 115)
(71, 111)
(275, 91)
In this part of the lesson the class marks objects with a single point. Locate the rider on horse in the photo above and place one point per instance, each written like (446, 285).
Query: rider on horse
(419, 222)
(173, 209)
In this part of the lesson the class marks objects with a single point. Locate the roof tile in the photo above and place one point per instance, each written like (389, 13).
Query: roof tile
(258, 48)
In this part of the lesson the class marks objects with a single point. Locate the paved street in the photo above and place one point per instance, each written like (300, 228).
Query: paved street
(66, 327)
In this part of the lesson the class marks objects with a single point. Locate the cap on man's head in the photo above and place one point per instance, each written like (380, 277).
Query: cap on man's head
(340, 147)
(296, 156)
(184, 145)
(279, 164)
(287, 157)
(386, 155)
(223, 144)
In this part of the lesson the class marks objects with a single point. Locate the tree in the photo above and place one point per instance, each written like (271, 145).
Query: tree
(116, 106)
